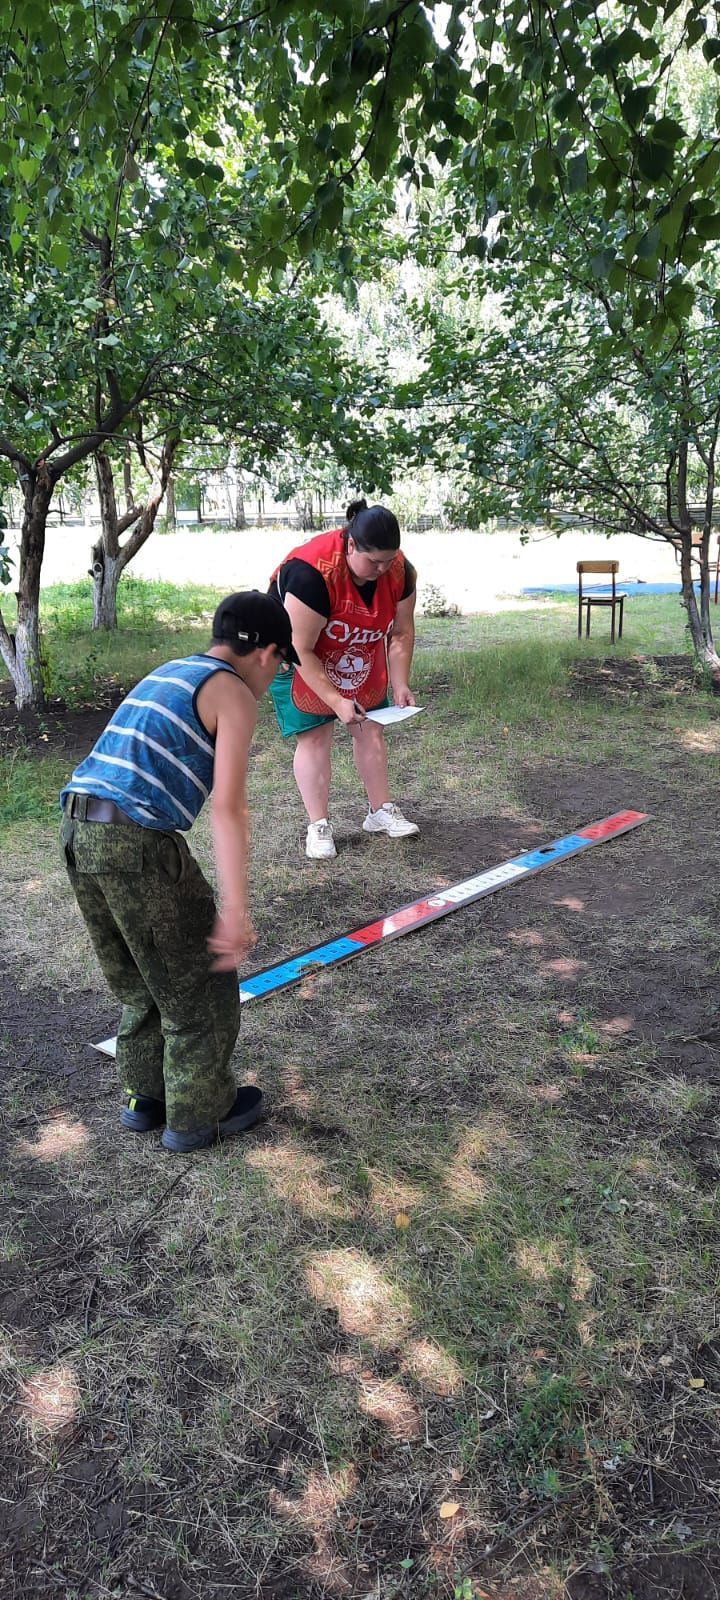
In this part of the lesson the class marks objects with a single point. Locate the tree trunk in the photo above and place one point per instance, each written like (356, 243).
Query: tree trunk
(109, 556)
(21, 650)
(106, 573)
(306, 512)
(127, 479)
(236, 492)
(170, 506)
(699, 621)
(105, 557)
(239, 515)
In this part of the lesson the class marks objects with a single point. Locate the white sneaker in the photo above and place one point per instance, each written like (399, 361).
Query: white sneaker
(390, 820)
(320, 845)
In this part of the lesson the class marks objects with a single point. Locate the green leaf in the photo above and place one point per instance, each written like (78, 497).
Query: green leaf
(628, 44)
(679, 300)
(708, 227)
(577, 170)
(649, 245)
(655, 160)
(667, 131)
(543, 165)
(601, 262)
(59, 254)
(635, 104)
(670, 224)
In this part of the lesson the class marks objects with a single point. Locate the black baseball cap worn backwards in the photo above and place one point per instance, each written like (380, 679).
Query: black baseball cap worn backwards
(254, 619)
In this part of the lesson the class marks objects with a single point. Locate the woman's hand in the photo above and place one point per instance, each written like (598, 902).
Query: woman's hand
(349, 712)
(403, 695)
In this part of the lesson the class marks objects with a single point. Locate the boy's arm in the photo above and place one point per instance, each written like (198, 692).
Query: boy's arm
(232, 709)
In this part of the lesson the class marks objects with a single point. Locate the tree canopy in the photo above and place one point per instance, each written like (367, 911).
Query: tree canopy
(165, 168)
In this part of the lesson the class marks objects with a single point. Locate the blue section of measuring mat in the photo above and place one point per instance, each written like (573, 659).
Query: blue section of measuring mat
(289, 971)
(554, 852)
(631, 588)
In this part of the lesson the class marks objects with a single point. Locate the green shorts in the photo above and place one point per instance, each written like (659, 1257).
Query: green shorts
(291, 720)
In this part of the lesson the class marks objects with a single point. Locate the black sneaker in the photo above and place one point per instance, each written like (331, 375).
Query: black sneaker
(141, 1113)
(243, 1113)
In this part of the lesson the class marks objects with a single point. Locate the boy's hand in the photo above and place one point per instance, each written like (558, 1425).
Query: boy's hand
(231, 940)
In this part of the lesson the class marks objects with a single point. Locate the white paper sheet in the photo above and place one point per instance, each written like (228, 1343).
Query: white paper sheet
(387, 714)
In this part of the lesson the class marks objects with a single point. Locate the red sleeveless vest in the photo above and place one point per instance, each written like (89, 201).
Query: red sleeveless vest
(353, 644)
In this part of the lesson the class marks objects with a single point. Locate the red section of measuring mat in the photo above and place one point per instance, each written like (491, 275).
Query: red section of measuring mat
(611, 825)
(392, 924)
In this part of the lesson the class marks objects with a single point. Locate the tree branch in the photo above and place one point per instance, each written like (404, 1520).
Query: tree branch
(13, 454)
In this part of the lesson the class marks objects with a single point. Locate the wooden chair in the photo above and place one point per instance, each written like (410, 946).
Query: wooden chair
(694, 553)
(696, 542)
(590, 597)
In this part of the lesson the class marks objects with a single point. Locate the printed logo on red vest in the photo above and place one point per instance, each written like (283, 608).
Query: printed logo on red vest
(349, 671)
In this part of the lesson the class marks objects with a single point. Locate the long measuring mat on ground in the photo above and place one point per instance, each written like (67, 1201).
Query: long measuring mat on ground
(420, 912)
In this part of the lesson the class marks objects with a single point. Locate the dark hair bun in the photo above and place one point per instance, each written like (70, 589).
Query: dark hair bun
(354, 507)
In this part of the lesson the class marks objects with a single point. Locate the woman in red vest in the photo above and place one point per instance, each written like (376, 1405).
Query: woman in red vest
(350, 595)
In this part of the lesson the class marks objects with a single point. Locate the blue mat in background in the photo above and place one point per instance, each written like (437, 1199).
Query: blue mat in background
(633, 587)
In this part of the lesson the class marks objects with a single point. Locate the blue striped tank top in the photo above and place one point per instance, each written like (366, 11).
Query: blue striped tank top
(155, 759)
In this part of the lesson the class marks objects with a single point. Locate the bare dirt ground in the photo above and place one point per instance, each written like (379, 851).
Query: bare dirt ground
(90, 1518)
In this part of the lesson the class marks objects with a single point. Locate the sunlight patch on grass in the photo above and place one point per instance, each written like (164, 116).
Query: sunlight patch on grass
(316, 1512)
(383, 1399)
(50, 1400)
(481, 1151)
(615, 1027)
(299, 1177)
(432, 1367)
(367, 1305)
(564, 967)
(700, 741)
(391, 1194)
(61, 1137)
(295, 1089)
(549, 1094)
(540, 1259)
(527, 938)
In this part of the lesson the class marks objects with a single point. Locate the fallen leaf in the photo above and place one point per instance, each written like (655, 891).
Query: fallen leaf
(449, 1508)
(402, 1220)
(696, 1383)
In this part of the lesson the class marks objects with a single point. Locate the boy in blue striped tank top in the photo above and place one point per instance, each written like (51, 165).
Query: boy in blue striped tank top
(169, 955)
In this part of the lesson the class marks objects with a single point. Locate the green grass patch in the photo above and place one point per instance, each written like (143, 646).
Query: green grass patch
(29, 787)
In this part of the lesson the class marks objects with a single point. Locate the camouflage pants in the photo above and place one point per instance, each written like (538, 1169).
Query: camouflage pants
(148, 911)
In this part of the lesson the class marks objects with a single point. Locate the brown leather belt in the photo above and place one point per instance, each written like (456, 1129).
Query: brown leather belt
(88, 808)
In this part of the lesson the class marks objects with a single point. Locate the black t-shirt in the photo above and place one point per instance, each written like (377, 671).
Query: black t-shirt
(298, 578)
